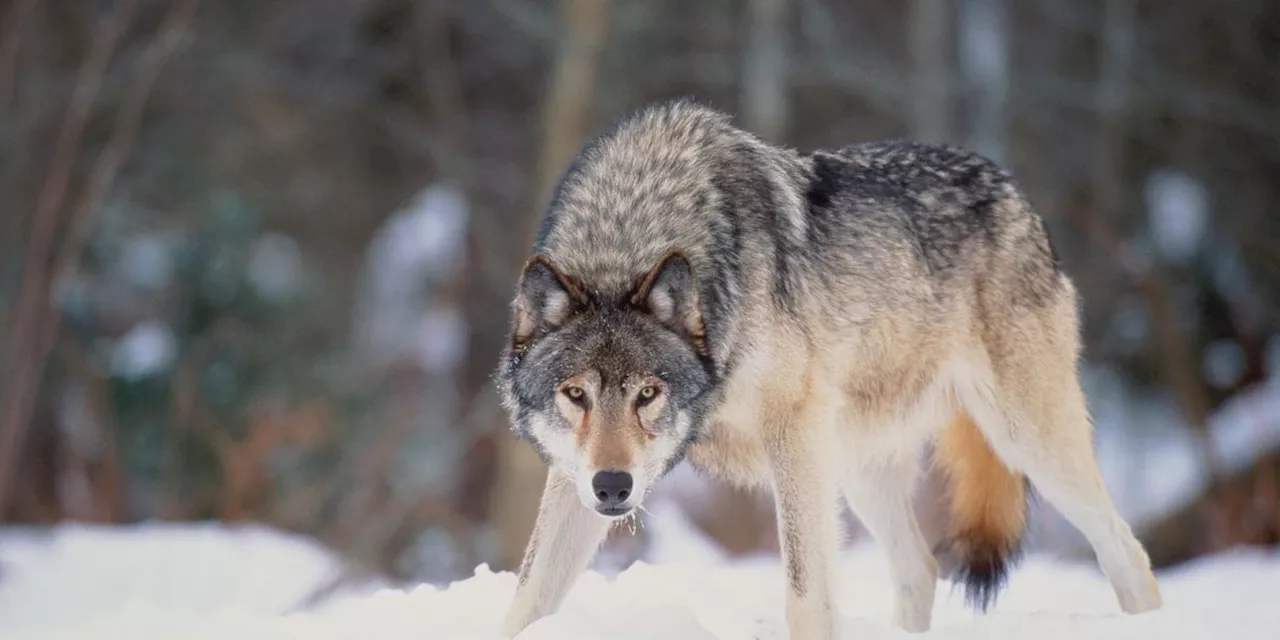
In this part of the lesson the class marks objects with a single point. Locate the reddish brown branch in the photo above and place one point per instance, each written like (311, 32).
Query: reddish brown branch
(123, 132)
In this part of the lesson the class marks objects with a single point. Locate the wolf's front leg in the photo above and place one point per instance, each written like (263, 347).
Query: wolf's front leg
(564, 539)
(805, 491)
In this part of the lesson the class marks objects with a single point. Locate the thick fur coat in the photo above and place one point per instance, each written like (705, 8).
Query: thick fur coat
(808, 322)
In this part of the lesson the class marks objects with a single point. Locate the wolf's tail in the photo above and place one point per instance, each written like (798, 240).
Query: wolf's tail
(988, 504)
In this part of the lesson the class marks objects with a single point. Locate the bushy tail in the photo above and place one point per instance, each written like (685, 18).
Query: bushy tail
(988, 504)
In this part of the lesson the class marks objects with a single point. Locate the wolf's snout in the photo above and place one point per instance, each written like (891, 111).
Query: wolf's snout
(612, 488)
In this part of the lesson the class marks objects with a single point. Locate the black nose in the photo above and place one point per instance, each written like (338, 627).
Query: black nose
(612, 487)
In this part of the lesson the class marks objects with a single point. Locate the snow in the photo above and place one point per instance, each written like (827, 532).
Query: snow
(67, 582)
(146, 260)
(1273, 358)
(442, 338)
(1246, 426)
(416, 249)
(1178, 209)
(1224, 363)
(676, 540)
(147, 349)
(211, 581)
(1130, 325)
(275, 268)
(1151, 458)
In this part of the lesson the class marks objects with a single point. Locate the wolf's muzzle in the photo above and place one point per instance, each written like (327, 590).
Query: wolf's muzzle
(612, 488)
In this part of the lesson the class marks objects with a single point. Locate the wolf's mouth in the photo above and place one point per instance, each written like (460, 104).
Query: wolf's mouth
(614, 512)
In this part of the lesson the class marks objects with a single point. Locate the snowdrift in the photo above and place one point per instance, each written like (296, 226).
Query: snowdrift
(198, 582)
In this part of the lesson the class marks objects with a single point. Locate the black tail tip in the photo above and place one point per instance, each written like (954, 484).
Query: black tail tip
(980, 566)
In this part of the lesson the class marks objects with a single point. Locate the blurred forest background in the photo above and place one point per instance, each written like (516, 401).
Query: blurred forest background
(256, 255)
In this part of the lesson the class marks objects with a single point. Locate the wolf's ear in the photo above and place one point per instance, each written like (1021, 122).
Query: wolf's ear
(545, 299)
(670, 295)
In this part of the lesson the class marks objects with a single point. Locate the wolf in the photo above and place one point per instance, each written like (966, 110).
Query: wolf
(811, 323)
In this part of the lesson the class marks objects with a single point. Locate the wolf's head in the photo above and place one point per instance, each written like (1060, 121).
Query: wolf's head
(611, 389)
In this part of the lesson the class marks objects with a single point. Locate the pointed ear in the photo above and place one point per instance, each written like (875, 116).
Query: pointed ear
(545, 299)
(670, 295)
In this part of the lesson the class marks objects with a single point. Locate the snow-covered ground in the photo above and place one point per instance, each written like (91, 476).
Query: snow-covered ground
(196, 582)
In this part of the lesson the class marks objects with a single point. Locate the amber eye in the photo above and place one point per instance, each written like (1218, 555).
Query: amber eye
(647, 394)
(576, 394)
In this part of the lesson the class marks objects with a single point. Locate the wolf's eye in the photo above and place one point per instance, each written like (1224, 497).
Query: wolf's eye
(576, 394)
(647, 394)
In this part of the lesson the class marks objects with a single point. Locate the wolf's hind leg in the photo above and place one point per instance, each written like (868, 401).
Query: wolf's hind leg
(880, 497)
(1036, 419)
(565, 537)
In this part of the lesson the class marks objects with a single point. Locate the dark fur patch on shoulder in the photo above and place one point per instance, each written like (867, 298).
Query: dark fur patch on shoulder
(823, 185)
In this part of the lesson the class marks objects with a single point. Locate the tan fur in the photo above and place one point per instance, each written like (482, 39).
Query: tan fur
(988, 501)
(612, 448)
(882, 297)
(608, 435)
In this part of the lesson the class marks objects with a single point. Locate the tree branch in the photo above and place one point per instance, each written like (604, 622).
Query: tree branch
(23, 359)
(764, 69)
(9, 47)
(33, 338)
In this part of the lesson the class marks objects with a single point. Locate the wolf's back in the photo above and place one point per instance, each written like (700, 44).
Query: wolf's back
(959, 211)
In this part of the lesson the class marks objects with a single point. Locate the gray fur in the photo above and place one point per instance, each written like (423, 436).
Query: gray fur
(793, 307)
(850, 236)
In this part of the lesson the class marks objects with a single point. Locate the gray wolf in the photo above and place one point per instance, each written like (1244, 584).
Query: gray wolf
(807, 322)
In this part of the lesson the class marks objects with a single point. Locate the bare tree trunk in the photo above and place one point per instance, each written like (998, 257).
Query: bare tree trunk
(565, 115)
(1113, 97)
(1113, 100)
(38, 324)
(25, 354)
(565, 124)
(764, 102)
(10, 43)
(984, 59)
(930, 91)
